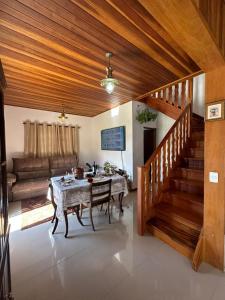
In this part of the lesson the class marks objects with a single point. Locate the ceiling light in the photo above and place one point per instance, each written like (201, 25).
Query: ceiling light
(62, 117)
(109, 83)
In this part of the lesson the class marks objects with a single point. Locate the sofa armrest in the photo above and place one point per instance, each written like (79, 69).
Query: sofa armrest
(11, 179)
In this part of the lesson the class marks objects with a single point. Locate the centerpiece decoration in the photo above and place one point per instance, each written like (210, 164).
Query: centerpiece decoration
(109, 169)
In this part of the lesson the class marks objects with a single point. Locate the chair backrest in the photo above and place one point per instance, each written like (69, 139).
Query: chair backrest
(101, 191)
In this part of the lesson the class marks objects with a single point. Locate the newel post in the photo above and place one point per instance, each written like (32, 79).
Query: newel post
(140, 200)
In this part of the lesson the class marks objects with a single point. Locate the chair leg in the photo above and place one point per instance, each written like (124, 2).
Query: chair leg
(91, 218)
(56, 224)
(109, 212)
(66, 222)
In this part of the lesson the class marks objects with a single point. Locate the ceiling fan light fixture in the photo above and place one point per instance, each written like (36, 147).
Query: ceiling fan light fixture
(109, 83)
(62, 117)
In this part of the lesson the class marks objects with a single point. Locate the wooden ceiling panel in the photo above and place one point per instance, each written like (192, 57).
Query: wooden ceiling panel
(53, 53)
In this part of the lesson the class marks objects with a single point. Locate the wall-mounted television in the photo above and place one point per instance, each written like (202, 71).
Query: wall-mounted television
(113, 139)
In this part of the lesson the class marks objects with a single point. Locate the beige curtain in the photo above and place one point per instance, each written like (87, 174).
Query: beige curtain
(42, 139)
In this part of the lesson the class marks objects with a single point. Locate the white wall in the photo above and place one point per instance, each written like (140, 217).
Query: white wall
(119, 116)
(164, 123)
(199, 95)
(15, 116)
(138, 139)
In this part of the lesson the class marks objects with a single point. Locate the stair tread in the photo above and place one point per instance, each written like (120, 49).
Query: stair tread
(187, 196)
(175, 233)
(188, 181)
(194, 158)
(191, 169)
(187, 215)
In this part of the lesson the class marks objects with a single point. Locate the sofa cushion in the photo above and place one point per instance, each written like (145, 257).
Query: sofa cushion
(30, 164)
(66, 162)
(60, 171)
(31, 186)
(32, 175)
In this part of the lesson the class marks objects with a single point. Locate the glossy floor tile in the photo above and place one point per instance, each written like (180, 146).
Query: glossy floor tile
(113, 263)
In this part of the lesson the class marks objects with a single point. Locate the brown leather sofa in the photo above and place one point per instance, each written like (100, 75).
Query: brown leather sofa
(30, 177)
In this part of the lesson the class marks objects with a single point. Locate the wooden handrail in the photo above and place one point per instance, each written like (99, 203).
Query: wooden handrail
(166, 137)
(169, 85)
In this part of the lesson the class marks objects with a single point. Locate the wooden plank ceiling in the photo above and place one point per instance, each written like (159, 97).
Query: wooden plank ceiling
(53, 53)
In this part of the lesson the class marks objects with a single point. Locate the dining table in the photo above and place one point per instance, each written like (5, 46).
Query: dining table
(67, 192)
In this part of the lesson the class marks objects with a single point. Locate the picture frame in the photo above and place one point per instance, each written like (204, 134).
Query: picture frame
(215, 111)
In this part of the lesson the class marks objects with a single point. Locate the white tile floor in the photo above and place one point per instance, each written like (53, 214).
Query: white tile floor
(113, 263)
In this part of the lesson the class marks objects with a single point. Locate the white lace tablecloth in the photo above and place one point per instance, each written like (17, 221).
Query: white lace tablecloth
(78, 191)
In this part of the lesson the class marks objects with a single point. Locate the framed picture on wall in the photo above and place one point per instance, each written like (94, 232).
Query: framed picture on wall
(215, 111)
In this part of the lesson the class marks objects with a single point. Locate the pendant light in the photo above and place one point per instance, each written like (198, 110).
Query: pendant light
(62, 117)
(109, 83)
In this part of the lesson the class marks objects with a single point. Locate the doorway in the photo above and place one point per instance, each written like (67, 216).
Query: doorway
(149, 142)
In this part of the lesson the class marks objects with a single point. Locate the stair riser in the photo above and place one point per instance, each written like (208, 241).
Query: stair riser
(189, 174)
(197, 135)
(197, 144)
(184, 204)
(176, 233)
(197, 127)
(197, 152)
(194, 164)
(186, 187)
(184, 250)
(195, 122)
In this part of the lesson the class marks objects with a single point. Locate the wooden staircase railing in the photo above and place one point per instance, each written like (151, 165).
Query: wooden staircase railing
(178, 94)
(153, 177)
(170, 99)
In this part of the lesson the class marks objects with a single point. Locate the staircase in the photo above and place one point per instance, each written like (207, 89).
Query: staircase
(171, 185)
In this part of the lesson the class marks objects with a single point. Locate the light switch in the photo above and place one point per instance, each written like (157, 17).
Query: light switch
(213, 177)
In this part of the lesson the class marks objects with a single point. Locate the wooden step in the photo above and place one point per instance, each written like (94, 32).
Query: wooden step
(187, 220)
(172, 236)
(186, 201)
(197, 144)
(194, 163)
(197, 125)
(188, 185)
(197, 152)
(197, 135)
(188, 173)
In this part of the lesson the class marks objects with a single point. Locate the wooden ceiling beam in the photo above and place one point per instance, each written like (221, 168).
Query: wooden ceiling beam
(40, 80)
(107, 15)
(62, 42)
(133, 16)
(41, 99)
(53, 52)
(53, 108)
(32, 48)
(183, 21)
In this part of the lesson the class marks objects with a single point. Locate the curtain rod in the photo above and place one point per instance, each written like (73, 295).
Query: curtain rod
(54, 123)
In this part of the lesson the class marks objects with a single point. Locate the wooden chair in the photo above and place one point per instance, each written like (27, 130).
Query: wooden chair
(99, 197)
